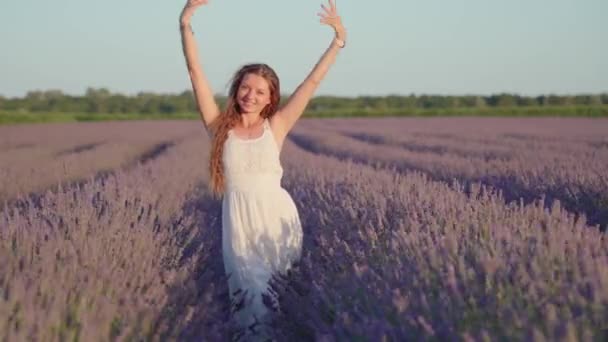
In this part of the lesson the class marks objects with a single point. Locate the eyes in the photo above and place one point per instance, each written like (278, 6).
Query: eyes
(245, 88)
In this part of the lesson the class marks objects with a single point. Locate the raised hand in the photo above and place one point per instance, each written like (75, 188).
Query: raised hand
(330, 17)
(189, 8)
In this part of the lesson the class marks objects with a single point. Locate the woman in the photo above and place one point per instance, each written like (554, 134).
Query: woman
(261, 230)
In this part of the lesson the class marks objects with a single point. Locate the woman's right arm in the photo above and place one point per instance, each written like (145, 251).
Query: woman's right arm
(203, 95)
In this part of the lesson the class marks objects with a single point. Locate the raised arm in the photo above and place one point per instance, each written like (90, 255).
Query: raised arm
(297, 102)
(203, 95)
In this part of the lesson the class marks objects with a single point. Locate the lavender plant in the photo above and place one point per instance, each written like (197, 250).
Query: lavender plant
(402, 257)
(110, 259)
(36, 157)
(570, 170)
(434, 229)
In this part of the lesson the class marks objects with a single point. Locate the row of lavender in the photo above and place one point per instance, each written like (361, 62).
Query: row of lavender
(117, 257)
(556, 159)
(402, 257)
(38, 156)
(387, 253)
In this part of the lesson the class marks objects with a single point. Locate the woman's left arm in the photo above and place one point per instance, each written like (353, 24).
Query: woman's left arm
(297, 102)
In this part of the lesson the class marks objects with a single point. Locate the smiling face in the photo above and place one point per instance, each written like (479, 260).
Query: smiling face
(253, 94)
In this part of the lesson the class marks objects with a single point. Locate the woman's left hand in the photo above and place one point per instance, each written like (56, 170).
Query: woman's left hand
(330, 17)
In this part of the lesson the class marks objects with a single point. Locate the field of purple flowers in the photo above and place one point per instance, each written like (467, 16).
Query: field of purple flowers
(38, 156)
(415, 229)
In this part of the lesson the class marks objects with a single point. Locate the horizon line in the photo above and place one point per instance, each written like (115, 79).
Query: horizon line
(405, 94)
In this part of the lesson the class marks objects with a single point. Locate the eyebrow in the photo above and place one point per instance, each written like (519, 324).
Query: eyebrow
(250, 86)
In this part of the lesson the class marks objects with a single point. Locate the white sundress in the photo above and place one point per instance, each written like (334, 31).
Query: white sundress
(261, 229)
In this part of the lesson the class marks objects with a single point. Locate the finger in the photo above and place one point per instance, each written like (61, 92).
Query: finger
(324, 18)
(326, 21)
(332, 9)
(327, 11)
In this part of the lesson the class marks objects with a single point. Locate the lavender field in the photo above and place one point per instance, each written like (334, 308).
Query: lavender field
(414, 229)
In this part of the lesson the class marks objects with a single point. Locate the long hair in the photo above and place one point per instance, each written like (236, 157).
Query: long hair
(231, 116)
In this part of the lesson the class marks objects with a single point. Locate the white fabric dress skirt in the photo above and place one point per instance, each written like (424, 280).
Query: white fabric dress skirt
(261, 229)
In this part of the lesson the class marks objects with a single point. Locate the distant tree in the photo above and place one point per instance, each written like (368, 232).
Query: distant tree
(117, 103)
(34, 95)
(595, 99)
(480, 101)
(428, 101)
(454, 101)
(587, 99)
(525, 101)
(554, 100)
(101, 100)
(501, 100)
(472, 101)
(100, 93)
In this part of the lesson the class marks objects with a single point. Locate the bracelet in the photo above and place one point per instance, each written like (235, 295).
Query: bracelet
(183, 27)
(341, 44)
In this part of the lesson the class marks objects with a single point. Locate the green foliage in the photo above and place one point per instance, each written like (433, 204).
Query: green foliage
(103, 101)
(115, 328)
(101, 104)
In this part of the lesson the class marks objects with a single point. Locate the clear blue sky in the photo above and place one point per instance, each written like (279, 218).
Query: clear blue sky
(395, 46)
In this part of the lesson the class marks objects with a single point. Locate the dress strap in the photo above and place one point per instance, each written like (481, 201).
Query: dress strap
(266, 123)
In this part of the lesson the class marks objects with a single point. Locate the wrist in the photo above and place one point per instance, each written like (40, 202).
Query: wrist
(340, 33)
(339, 42)
(340, 37)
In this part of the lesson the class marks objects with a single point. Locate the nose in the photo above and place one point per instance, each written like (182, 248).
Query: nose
(249, 95)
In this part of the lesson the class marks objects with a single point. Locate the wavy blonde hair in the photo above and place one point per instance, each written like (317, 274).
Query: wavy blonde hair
(231, 116)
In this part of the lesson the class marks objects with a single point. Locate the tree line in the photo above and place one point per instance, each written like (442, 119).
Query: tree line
(101, 100)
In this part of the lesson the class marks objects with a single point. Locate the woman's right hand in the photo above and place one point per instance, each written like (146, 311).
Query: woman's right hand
(189, 8)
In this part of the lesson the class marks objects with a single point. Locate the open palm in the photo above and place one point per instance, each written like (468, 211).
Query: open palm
(330, 17)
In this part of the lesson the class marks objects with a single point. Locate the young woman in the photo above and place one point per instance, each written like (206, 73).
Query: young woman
(261, 229)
